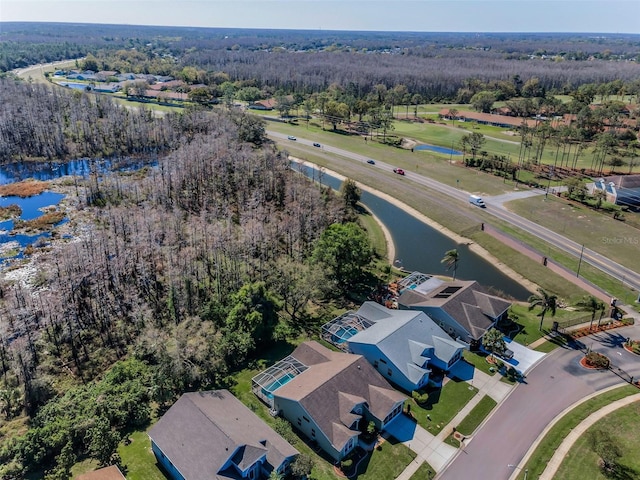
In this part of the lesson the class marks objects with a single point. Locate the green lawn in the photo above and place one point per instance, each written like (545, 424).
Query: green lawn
(443, 405)
(476, 415)
(471, 422)
(541, 456)
(479, 361)
(387, 461)
(138, 459)
(581, 462)
(424, 472)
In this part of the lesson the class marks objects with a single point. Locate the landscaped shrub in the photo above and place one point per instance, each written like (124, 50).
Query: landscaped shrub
(420, 397)
(627, 321)
(283, 428)
(597, 360)
(346, 464)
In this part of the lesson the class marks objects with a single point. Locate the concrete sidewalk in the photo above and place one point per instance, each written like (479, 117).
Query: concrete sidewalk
(432, 448)
(579, 430)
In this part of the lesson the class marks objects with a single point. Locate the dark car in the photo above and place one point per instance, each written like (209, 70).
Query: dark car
(315, 144)
(399, 171)
(371, 162)
(291, 137)
(506, 354)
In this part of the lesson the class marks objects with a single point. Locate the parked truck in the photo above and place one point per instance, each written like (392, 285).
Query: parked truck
(477, 201)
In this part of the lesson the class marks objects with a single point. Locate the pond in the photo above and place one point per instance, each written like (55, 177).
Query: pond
(12, 244)
(435, 148)
(419, 247)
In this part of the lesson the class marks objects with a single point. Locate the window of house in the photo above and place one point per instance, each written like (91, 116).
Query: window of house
(306, 419)
(375, 363)
(299, 422)
(389, 372)
(313, 432)
(383, 361)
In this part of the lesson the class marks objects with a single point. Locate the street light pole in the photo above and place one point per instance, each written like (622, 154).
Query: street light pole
(580, 261)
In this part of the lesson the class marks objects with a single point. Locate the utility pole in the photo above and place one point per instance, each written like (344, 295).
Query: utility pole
(580, 261)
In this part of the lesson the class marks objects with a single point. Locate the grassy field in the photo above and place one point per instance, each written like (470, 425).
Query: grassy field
(596, 231)
(581, 462)
(443, 405)
(545, 450)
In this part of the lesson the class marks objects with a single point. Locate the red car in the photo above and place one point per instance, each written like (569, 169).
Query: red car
(399, 171)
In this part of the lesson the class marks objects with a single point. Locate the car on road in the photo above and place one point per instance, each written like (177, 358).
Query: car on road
(316, 144)
(291, 137)
(477, 201)
(371, 162)
(399, 171)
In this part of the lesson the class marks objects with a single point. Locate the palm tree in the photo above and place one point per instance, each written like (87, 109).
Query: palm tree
(591, 304)
(451, 259)
(544, 300)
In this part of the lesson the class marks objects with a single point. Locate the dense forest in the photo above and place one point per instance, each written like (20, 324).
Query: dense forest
(188, 267)
(433, 65)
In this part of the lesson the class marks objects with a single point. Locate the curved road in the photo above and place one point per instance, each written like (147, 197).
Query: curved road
(553, 385)
(497, 209)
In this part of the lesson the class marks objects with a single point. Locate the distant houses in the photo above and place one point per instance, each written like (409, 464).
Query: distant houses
(622, 190)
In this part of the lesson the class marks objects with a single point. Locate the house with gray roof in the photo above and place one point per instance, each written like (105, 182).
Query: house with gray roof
(213, 436)
(330, 397)
(404, 345)
(463, 309)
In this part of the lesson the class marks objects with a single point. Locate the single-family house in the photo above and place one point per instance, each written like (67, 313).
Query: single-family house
(404, 345)
(107, 473)
(329, 396)
(269, 104)
(463, 309)
(213, 436)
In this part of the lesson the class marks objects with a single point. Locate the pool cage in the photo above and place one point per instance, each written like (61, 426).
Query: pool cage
(412, 280)
(339, 330)
(265, 383)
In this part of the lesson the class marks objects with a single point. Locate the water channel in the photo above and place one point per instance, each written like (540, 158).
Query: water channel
(419, 247)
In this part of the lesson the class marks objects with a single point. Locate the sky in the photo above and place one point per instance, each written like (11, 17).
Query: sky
(587, 16)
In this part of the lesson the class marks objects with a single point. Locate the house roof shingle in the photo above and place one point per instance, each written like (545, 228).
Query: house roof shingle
(407, 337)
(334, 380)
(467, 302)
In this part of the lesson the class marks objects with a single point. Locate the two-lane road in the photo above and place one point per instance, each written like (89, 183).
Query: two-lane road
(497, 209)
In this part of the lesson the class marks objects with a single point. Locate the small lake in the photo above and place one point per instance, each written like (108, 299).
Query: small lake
(435, 148)
(13, 244)
(419, 247)
(76, 86)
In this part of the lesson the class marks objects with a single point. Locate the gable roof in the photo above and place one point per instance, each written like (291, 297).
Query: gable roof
(333, 383)
(409, 338)
(467, 302)
(203, 430)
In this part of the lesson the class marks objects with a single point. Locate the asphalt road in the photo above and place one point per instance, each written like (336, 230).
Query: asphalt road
(497, 209)
(552, 386)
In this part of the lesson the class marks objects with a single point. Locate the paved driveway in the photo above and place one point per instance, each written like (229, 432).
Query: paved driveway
(553, 385)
